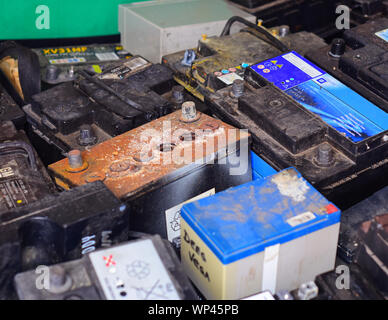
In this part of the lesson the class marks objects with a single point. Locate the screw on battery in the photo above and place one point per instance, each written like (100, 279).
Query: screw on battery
(324, 156)
(52, 72)
(237, 88)
(87, 137)
(284, 295)
(385, 138)
(59, 280)
(308, 291)
(71, 72)
(178, 94)
(284, 31)
(337, 48)
(189, 112)
(75, 159)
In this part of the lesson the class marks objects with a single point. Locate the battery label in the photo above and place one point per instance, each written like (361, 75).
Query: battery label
(173, 216)
(383, 34)
(133, 272)
(338, 105)
(14, 193)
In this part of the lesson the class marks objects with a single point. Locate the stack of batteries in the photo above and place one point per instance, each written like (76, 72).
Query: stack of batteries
(253, 166)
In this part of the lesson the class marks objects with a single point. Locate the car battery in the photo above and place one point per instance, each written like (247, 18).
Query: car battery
(272, 234)
(157, 167)
(9, 110)
(373, 254)
(60, 64)
(260, 168)
(59, 228)
(96, 108)
(352, 219)
(23, 178)
(301, 116)
(218, 61)
(359, 60)
(145, 269)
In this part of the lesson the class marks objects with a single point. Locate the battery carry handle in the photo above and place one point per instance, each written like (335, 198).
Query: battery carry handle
(21, 145)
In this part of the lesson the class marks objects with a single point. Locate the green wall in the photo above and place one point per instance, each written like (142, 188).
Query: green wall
(67, 18)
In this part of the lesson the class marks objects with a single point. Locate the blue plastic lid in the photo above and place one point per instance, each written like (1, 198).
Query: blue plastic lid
(244, 220)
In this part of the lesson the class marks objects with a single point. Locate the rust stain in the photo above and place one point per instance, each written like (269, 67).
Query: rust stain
(118, 163)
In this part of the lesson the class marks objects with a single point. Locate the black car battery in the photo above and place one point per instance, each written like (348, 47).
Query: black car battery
(59, 228)
(144, 269)
(78, 115)
(301, 116)
(158, 167)
(218, 61)
(23, 178)
(60, 64)
(359, 60)
(9, 110)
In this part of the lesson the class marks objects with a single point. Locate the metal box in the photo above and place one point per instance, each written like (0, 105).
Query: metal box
(172, 25)
(271, 234)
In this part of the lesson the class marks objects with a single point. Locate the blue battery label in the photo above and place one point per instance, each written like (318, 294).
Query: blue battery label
(337, 105)
(383, 34)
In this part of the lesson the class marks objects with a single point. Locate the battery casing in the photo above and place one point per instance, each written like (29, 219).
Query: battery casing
(271, 234)
(23, 178)
(144, 269)
(363, 64)
(58, 115)
(221, 60)
(9, 110)
(157, 167)
(292, 126)
(65, 61)
(59, 228)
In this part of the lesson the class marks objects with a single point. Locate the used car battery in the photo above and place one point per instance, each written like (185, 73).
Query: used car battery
(272, 234)
(301, 116)
(144, 269)
(9, 110)
(59, 228)
(60, 64)
(23, 178)
(157, 167)
(78, 115)
(359, 60)
(218, 61)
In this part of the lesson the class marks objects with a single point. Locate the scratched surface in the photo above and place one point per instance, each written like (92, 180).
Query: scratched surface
(128, 163)
(248, 218)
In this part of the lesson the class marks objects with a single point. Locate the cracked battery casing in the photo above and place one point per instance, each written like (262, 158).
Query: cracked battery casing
(362, 60)
(144, 269)
(23, 178)
(335, 137)
(94, 109)
(157, 167)
(9, 110)
(221, 60)
(59, 64)
(59, 228)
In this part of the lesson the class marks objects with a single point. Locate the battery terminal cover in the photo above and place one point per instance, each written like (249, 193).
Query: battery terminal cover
(133, 160)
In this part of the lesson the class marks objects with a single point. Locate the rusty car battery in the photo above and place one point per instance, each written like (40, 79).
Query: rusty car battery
(23, 178)
(60, 227)
(9, 110)
(60, 64)
(159, 166)
(360, 60)
(299, 115)
(143, 269)
(221, 60)
(78, 115)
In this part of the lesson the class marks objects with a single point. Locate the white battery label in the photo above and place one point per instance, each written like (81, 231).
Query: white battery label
(173, 216)
(66, 61)
(133, 271)
(107, 56)
(302, 65)
(300, 219)
(6, 172)
(229, 78)
(383, 34)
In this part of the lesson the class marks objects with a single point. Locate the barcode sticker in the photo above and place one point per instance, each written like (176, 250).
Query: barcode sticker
(107, 56)
(300, 219)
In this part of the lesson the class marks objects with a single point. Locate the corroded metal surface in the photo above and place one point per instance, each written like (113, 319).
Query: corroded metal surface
(139, 158)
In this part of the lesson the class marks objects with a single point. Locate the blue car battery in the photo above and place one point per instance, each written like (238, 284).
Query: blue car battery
(271, 234)
(260, 168)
